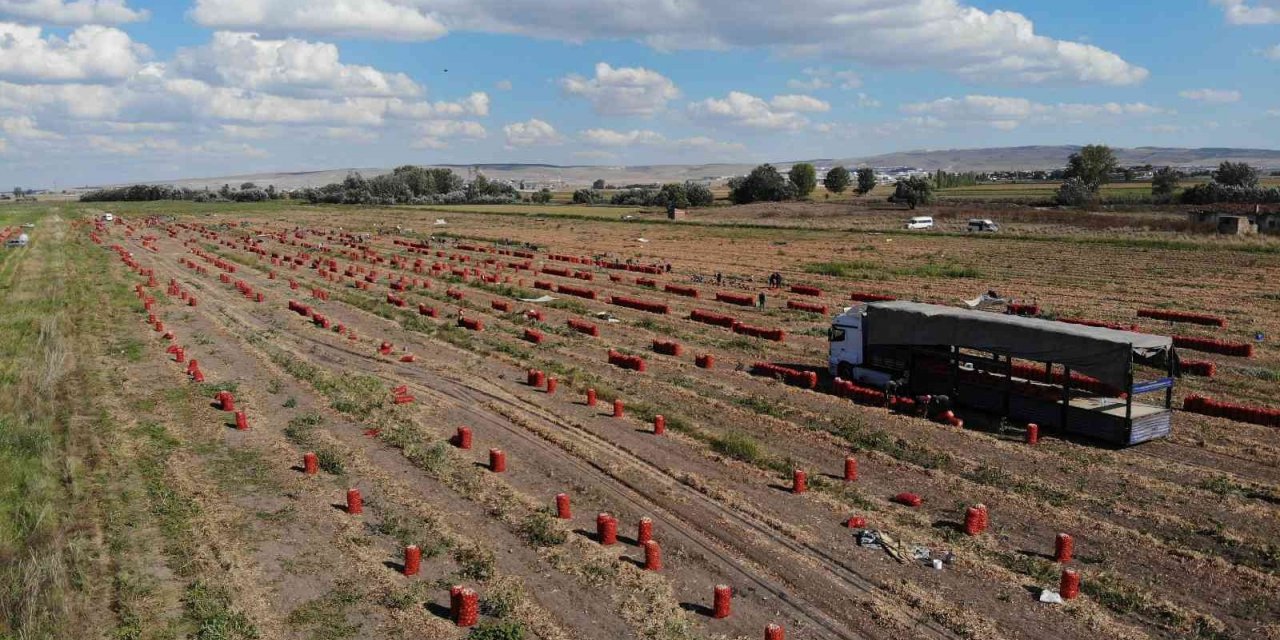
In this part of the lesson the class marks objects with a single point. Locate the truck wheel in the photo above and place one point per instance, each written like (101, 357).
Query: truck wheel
(845, 371)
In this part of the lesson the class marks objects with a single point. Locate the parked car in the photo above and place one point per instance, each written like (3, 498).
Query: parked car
(19, 241)
(979, 225)
(920, 222)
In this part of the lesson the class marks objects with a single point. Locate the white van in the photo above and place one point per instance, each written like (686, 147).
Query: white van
(107, 217)
(920, 222)
(979, 225)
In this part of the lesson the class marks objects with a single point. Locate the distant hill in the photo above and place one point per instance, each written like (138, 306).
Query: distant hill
(1053, 157)
(993, 159)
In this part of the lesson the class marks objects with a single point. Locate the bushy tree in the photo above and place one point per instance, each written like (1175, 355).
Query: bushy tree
(1214, 193)
(1075, 192)
(542, 197)
(252, 194)
(672, 194)
(1093, 165)
(912, 191)
(1236, 174)
(699, 194)
(634, 197)
(837, 180)
(598, 184)
(866, 180)
(1164, 183)
(763, 184)
(804, 178)
(587, 196)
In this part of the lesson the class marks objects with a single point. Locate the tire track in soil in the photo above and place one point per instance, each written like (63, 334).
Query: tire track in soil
(379, 319)
(360, 558)
(690, 528)
(371, 315)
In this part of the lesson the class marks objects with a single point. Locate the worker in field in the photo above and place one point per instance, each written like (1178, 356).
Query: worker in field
(760, 300)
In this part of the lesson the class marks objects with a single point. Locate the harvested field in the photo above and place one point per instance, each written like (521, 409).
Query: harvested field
(374, 355)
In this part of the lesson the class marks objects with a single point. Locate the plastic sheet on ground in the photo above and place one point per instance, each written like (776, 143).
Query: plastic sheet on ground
(541, 299)
(1051, 597)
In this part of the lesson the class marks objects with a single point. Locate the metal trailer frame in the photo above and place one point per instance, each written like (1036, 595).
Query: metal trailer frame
(1115, 421)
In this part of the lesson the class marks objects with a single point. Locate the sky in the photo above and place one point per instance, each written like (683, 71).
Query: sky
(108, 91)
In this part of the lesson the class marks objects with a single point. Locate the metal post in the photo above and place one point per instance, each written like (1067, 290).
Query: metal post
(1168, 392)
(1066, 396)
(955, 372)
(1008, 384)
(1128, 406)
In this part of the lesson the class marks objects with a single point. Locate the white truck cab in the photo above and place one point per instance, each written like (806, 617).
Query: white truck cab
(847, 350)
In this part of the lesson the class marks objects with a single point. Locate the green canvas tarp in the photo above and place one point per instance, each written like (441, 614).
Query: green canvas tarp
(1103, 353)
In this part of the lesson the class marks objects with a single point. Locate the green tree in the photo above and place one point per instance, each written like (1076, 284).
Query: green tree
(912, 191)
(1074, 192)
(1093, 165)
(699, 194)
(672, 194)
(837, 180)
(586, 196)
(804, 177)
(866, 180)
(1164, 183)
(245, 186)
(598, 184)
(763, 184)
(1236, 174)
(542, 197)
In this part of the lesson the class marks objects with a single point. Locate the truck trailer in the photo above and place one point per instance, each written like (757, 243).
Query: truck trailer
(1075, 379)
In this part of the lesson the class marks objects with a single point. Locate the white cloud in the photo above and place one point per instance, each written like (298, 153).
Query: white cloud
(1273, 53)
(25, 127)
(799, 104)
(502, 85)
(286, 67)
(816, 78)
(703, 143)
(745, 110)
(4, 145)
(987, 46)
(635, 137)
(73, 12)
(1212, 96)
(867, 101)
(249, 132)
(378, 19)
(170, 147)
(1251, 12)
(530, 132)
(1006, 113)
(91, 53)
(434, 134)
(623, 91)
(1275, 113)
(610, 138)
(139, 127)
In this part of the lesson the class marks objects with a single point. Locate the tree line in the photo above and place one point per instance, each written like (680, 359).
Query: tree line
(248, 192)
(1233, 182)
(673, 194)
(766, 184)
(410, 184)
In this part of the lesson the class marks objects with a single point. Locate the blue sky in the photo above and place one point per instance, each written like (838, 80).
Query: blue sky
(96, 91)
